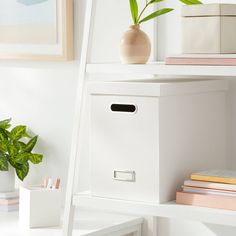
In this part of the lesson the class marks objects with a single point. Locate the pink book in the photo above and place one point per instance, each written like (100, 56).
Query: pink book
(11, 201)
(206, 200)
(188, 189)
(198, 59)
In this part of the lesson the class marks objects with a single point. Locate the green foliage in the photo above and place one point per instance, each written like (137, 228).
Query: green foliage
(22, 171)
(3, 162)
(14, 150)
(190, 2)
(134, 10)
(155, 14)
(137, 18)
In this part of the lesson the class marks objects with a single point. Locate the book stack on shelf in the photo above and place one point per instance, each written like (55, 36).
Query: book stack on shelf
(9, 201)
(213, 189)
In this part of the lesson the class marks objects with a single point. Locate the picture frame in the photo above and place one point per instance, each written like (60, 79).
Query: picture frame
(36, 30)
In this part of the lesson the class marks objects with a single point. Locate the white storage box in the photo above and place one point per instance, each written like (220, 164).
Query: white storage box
(39, 207)
(147, 137)
(209, 28)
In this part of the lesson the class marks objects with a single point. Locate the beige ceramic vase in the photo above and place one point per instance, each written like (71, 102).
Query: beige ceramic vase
(135, 46)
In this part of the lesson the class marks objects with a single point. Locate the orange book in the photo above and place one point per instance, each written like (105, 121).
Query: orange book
(206, 200)
(217, 176)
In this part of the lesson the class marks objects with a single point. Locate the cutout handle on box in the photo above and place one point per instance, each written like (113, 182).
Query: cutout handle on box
(115, 107)
(124, 175)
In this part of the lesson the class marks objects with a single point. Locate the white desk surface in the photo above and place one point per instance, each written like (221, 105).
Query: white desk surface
(87, 223)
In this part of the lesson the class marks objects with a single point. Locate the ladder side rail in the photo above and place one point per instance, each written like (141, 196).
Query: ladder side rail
(75, 155)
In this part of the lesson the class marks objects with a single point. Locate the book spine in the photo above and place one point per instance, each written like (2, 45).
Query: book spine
(205, 184)
(201, 61)
(215, 179)
(204, 200)
(9, 208)
(9, 201)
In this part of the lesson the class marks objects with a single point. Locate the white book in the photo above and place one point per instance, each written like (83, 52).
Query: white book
(9, 208)
(208, 191)
(210, 185)
(7, 195)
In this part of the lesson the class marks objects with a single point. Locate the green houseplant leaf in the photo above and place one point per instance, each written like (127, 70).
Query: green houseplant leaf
(3, 146)
(18, 132)
(5, 124)
(22, 158)
(12, 149)
(191, 2)
(19, 145)
(3, 135)
(155, 1)
(155, 14)
(137, 17)
(35, 158)
(3, 162)
(30, 145)
(15, 149)
(23, 171)
(134, 10)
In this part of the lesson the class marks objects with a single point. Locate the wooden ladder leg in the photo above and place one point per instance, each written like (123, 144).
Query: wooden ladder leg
(75, 155)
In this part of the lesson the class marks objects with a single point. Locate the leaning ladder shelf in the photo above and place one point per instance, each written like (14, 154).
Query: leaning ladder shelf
(159, 68)
(168, 209)
(73, 199)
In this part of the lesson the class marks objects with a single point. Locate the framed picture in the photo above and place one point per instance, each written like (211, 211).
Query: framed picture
(36, 29)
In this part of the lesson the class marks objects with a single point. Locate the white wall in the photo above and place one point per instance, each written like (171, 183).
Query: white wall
(42, 95)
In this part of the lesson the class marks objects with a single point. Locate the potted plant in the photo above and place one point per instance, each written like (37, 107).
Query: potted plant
(16, 147)
(135, 46)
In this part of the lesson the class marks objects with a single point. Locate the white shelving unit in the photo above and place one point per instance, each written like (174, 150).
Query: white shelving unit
(170, 209)
(159, 68)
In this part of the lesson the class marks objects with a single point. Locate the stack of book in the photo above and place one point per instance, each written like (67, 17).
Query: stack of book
(202, 59)
(9, 201)
(213, 189)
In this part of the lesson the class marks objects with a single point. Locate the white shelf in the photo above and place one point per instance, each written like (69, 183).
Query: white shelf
(169, 210)
(160, 68)
(87, 223)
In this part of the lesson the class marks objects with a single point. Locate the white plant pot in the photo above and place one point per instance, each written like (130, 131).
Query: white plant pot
(7, 180)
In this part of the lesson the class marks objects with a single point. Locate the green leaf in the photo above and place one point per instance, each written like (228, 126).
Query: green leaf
(19, 145)
(155, 14)
(35, 158)
(134, 10)
(3, 146)
(18, 132)
(5, 124)
(155, 1)
(3, 135)
(23, 171)
(12, 149)
(21, 158)
(14, 163)
(3, 162)
(190, 2)
(30, 145)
